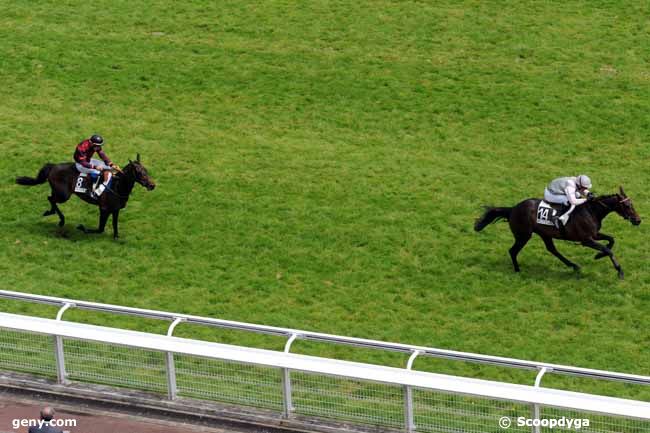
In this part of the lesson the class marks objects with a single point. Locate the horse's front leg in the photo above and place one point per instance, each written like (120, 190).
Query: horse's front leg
(550, 246)
(103, 217)
(115, 215)
(610, 244)
(606, 251)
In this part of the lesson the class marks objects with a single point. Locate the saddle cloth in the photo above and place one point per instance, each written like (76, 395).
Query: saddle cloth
(84, 182)
(546, 211)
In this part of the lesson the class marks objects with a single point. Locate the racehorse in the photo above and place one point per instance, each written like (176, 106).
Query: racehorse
(583, 226)
(62, 179)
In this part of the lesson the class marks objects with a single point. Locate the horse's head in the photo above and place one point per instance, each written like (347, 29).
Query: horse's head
(140, 174)
(624, 208)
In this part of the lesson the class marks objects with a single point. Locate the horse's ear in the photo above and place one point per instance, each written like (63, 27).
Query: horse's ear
(622, 192)
(130, 162)
(138, 158)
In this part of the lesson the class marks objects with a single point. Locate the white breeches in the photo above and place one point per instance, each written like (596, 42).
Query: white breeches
(555, 198)
(96, 163)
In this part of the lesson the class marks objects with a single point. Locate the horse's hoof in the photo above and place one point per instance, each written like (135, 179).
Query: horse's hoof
(81, 227)
(61, 223)
(576, 268)
(621, 276)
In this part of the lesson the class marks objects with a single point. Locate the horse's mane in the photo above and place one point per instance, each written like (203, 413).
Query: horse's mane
(127, 168)
(602, 200)
(605, 197)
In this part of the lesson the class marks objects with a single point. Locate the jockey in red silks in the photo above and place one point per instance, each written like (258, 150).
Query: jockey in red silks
(86, 164)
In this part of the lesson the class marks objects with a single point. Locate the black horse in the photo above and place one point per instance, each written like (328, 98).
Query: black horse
(62, 178)
(583, 226)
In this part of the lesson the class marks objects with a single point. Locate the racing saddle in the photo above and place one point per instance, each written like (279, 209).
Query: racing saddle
(86, 183)
(548, 213)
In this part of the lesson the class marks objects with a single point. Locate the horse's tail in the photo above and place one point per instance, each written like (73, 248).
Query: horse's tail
(40, 178)
(491, 215)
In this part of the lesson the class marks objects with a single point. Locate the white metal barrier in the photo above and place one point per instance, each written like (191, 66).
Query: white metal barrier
(293, 334)
(297, 384)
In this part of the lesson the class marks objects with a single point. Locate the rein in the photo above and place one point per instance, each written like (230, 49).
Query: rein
(611, 209)
(123, 197)
(625, 200)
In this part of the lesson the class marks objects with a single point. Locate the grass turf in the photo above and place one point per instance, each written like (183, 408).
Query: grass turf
(320, 165)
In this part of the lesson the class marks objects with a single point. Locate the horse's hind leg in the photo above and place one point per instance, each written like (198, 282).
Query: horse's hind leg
(520, 241)
(55, 209)
(550, 246)
(52, 209)
(58, 195)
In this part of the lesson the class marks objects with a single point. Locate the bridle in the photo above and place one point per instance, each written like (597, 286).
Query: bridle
(610, 209)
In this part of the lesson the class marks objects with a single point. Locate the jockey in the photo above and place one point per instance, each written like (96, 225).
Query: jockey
(572, 191)
(85, 164)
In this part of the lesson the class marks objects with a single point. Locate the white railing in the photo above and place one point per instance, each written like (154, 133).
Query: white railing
(292, 384)
(296, 334)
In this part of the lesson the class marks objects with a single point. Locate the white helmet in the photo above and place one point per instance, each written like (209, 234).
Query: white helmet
(583, 181)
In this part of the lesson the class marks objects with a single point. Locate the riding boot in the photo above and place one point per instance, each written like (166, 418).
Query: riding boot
(101, 187)
(564, 218)
(99, 190)
(93, 187)
(555, 219)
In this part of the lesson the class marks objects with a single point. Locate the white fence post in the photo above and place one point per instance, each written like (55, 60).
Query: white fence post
(60, 360)
(409, 416)
(61, 374)
(536, 407)
(286, 382)
(169, 364)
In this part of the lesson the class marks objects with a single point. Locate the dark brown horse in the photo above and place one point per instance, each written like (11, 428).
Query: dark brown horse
(62, 178)
(583, 226)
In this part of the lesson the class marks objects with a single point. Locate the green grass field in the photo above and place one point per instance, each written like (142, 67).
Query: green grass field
(320, 166)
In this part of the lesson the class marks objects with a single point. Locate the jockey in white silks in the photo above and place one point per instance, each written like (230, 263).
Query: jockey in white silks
(572, 191)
